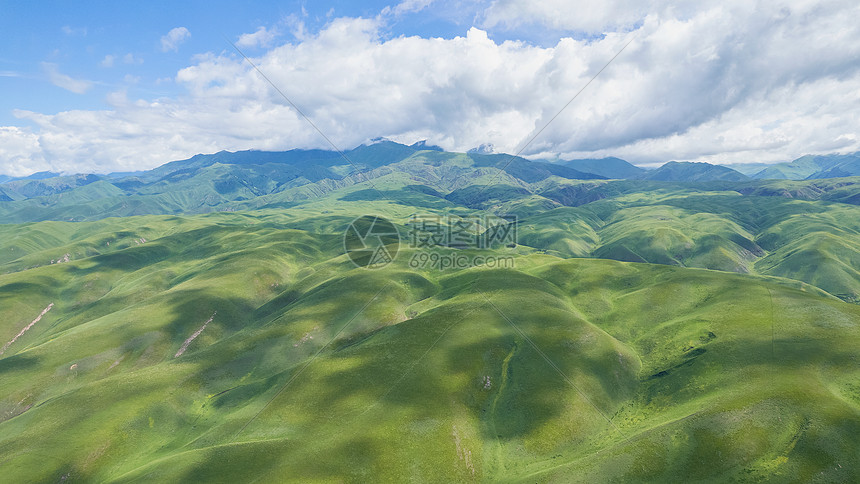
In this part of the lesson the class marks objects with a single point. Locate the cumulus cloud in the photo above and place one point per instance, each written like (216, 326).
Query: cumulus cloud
(261, 38)
(77, 86)
(815, 117)
(173, 39)
(20, 154)
(595, 17)
(728, 82)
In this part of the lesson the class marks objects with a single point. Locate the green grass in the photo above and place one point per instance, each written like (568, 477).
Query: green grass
(313, 370)
(815, 242)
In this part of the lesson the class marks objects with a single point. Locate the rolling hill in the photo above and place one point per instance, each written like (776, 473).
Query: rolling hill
(223, 346)
(202, 321)
(710, 224)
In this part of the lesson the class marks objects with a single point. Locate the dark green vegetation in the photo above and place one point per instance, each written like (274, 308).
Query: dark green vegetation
(606, 167)
(686, 171)
(250, 180)
(648, 331)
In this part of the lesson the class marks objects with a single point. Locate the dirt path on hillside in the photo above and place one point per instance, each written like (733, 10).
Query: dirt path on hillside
(194, 336)
(38, 318)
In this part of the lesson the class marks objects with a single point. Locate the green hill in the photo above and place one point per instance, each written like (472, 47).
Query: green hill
(609, 167)
(711, 225)
(305, 368)
(692, 172)
(204, 323)
(813, 167)
(712, 230)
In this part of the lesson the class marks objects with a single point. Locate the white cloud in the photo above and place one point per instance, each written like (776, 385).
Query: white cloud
(77, 86)
(590, 16)
(408, 6)
(174, 38)
(117, 98)
(817, 117)
(261, 38)
(707, 87)
(726, 83)
(74, 31)
(131, 59)
(20, 154)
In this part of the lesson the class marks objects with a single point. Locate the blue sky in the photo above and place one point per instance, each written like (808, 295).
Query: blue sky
(78, 36)
(116, 86)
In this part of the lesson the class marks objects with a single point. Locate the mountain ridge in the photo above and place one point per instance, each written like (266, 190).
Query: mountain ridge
(383, 151)
(693, 172)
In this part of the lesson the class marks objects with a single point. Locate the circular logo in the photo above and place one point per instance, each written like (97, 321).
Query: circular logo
(371, 242)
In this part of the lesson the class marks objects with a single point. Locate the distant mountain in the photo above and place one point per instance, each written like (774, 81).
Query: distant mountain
(811, 167)
(530, 171)
(40, 184)
(262, 179)
(422, 145)
(249, 180)
(42, 175)
(685, 171)
(748, 169)
(841, 166)
(5, 197)
(123, 174)
(484, 149)
(611, 167)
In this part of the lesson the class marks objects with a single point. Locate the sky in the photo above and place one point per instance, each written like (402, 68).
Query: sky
(105, 86)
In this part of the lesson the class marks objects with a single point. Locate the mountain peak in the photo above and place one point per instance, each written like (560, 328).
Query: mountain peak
(610, 167)
(484, 149)
(423, 146)
(693, 171)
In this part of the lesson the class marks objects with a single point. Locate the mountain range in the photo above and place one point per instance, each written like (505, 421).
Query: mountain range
(206, 321)
(313, 164)
(811, 167)
(258, 179)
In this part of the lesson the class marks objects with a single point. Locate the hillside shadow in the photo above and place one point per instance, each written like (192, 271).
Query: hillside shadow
(411, 195)
(528, 397)
(14, 290)
(15, 362)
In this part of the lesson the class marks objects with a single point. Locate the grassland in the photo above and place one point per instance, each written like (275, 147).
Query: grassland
(564, 368)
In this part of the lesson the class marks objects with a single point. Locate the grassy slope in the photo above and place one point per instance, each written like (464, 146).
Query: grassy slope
(706, 225)
(693, 225)
(432, 375)
(815, 241)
